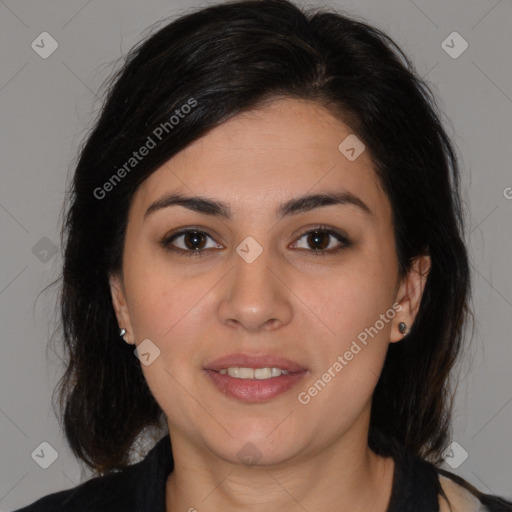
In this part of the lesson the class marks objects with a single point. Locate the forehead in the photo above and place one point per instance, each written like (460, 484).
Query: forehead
(266, 156)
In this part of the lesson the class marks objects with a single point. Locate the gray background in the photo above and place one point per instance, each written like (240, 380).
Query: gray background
(47, 106)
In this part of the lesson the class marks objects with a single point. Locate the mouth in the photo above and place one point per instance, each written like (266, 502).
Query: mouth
(254, 378)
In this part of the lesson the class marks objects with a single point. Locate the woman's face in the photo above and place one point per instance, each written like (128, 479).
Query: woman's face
(260, 291)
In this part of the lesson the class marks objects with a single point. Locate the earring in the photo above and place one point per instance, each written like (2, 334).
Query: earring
(402, 327)
(122, 332)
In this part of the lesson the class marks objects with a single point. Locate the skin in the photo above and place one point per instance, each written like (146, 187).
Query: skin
(289, 301)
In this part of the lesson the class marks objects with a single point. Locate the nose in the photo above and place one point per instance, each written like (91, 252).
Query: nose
(255, 295)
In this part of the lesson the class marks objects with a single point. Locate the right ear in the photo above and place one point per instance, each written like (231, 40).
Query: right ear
(121, 306)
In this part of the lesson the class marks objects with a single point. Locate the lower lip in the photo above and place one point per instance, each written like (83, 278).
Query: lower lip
(254, 390)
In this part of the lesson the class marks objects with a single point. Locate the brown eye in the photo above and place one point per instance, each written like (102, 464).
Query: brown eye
(192, 242)
(318, 240)
(323, 241)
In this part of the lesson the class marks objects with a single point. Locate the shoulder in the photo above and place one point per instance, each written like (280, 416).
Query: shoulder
(140, 486)
(419, 484)
(110, 493)
(462, 499)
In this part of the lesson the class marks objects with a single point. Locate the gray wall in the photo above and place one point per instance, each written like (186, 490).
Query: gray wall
(48, 104)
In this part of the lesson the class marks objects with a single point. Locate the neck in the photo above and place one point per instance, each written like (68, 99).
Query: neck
(345, 476)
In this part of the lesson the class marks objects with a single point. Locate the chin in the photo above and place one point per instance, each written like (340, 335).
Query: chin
(258, 443)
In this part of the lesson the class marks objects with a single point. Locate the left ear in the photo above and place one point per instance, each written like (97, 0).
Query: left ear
(409, 295)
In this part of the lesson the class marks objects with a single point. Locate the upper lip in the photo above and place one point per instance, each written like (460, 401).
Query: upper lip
(254, 361)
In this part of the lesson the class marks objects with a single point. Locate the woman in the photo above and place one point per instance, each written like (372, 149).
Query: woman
(267, 213)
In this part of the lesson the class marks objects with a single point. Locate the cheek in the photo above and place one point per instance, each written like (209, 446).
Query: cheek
(161, 300)
(354, 313)
(351, 352)
(354, 296)
(172, 309)
(169, 310)
(165, 308)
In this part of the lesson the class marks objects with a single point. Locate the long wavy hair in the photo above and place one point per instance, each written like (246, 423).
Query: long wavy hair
(230, 58)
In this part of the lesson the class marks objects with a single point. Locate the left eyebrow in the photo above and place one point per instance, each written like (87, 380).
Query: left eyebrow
(294, 206)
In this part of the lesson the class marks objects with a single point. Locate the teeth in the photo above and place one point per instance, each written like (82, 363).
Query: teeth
(253, 373)
(276, 372)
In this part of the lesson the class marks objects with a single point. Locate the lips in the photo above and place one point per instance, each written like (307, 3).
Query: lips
(254, 390)
(254, 361)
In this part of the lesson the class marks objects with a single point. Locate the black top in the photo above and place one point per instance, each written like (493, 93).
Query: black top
(141, 487)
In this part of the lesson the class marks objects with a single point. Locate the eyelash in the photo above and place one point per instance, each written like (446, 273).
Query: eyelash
(166, 242)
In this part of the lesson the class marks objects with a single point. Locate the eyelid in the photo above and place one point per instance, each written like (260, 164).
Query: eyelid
(186, 229)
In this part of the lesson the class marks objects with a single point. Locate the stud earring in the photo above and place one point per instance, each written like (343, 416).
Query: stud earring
(122, 332)
(402, 327)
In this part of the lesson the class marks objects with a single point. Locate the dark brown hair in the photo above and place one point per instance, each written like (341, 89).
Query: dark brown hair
(230, 58)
